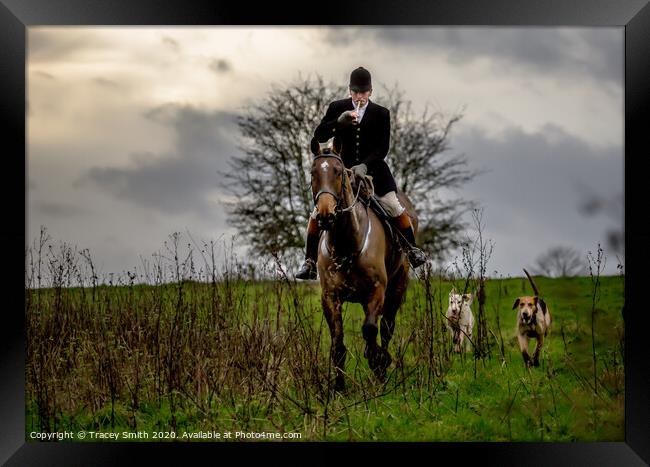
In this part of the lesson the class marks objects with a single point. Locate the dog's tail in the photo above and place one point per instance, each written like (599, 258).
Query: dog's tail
(532, 283)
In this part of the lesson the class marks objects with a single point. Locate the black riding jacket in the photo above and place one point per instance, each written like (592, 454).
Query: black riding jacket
(367, 142)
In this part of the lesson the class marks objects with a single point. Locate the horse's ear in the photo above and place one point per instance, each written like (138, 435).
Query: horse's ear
(336, 147)
(326, 147)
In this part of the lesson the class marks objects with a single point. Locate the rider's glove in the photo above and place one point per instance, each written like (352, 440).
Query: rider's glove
(360, 170)
(346, 117)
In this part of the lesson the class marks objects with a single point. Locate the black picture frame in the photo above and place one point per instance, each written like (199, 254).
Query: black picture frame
(633, 15)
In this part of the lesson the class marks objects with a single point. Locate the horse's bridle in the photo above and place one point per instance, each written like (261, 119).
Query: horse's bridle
(337, 196)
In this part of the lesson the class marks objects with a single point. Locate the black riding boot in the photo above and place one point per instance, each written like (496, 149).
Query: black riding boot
(416, 256)
(308, 269)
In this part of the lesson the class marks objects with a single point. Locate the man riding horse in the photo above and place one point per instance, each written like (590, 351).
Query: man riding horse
(361, 129)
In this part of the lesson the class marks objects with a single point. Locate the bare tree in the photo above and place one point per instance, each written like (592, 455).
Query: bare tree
(560, 261)
(271, 178)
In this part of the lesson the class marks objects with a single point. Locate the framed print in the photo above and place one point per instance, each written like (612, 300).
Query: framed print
(116, 112)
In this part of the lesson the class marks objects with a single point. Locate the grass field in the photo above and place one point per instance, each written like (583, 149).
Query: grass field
(229, 354)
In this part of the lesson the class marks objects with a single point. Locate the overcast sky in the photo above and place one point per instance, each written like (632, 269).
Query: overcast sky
(128, 128)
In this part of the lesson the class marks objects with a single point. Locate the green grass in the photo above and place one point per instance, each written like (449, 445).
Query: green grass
(253, 357)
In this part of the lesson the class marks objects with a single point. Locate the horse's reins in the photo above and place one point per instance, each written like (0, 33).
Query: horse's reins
(337, 196)
(366, 179)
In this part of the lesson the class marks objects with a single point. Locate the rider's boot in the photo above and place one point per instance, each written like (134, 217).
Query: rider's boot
(308, 269)
(416, 256)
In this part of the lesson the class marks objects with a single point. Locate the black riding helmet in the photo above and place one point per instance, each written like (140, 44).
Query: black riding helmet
(360, 80)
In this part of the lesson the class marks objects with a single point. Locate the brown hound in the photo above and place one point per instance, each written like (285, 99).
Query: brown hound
(533, 321)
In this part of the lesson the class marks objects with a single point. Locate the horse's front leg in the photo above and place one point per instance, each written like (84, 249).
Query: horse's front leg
(370, 330)
(394, 297)
(332, 311)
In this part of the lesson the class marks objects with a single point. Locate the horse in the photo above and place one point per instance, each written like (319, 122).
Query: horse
(358, 262)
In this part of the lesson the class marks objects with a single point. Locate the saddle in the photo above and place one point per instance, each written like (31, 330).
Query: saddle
(367, 196)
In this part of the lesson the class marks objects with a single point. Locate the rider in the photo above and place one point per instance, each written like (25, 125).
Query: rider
(364, 138)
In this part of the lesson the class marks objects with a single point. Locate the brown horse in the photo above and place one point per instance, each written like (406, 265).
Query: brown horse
(357, 262)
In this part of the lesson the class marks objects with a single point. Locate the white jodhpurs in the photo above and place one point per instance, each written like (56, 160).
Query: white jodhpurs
(391, 204)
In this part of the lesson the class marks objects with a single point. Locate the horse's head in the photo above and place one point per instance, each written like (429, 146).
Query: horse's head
(327, 183)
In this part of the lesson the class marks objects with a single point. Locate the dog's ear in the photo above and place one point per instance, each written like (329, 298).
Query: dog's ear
(469, 298)
(516, 304)
(542, 305)
(536, 300)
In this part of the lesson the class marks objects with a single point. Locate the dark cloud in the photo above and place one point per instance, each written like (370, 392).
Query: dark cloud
(107, 83)
(54, 209)
(220, 66)
(535, 183)
(43, 74)
(608, 47)
(178, 182)
(597, 52)
(593, 204)
(51, 45)
(171, 43)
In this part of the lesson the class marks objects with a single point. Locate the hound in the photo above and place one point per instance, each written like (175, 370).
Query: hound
(460, 320)
(533, 321)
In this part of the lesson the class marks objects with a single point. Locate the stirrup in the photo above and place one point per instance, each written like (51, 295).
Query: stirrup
(308, 270)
